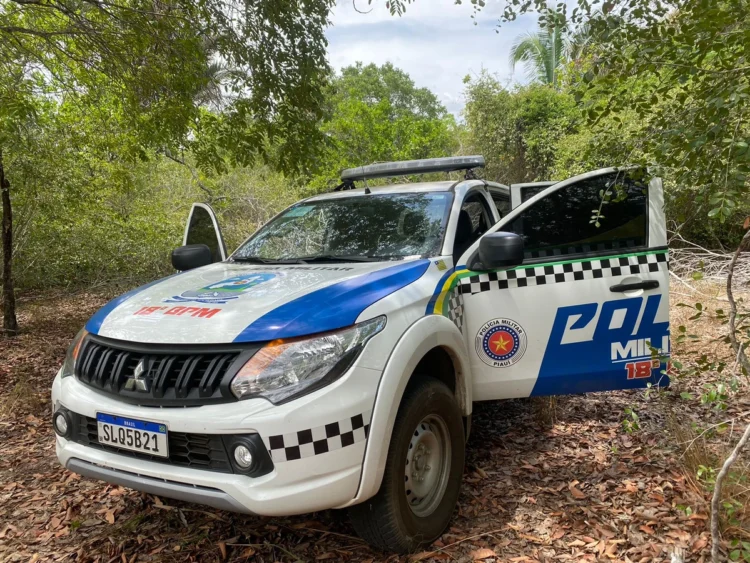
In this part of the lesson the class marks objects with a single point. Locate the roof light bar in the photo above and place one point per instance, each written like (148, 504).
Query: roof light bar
(409, 167)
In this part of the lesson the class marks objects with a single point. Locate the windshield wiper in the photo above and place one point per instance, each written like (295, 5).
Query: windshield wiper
(259, 260)
(316, 258)
(342, 258)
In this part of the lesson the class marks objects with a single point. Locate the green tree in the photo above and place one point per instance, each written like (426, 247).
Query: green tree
(148, 66)
(18, 117)
(688, 61)
(517, 131)
(378, 114)
(543, 53)
(546, 52)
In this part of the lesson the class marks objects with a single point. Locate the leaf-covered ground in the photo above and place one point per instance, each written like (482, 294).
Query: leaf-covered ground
(577, 489)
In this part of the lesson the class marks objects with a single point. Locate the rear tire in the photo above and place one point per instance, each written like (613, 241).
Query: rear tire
(422, 475)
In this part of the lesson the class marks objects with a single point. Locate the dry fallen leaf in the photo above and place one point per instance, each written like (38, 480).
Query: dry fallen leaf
(680, 535)
(611, 551)
(522, 480)
(480, 554)
(576, 492)
(699, 544)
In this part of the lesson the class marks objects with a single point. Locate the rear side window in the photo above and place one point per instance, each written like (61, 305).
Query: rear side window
(502, 202)
(530, 191)
(595, 215)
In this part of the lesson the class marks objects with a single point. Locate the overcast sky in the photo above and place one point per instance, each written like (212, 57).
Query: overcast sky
(435, 42)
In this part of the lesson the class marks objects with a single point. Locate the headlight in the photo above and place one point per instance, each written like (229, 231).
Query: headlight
(70, 358)
(285, 369)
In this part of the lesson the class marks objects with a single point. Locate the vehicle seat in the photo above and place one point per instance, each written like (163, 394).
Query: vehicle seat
(464, 235)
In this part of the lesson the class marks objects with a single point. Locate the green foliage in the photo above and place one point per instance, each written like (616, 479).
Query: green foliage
(124, 230)
(740, 549)
(678, 69)
(707, 475)
(377, 114)
(543, 52)
(518, 131)
(631, 422)
(93, 204)
(149, 64)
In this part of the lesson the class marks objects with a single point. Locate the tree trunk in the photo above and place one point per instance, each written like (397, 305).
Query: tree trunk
(10, 323)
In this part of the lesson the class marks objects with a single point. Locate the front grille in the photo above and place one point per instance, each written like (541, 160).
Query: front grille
(149, 375)
(199, 451)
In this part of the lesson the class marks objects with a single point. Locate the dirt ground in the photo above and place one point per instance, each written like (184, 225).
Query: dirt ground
(577, 488)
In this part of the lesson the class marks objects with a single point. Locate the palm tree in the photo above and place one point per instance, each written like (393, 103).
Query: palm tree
(577, 42)
(544, 52)
(213, 94)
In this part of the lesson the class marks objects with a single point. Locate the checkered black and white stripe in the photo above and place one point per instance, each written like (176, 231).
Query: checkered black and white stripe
(560, 273)
(455, 300)
(584, 248)
(319, 440)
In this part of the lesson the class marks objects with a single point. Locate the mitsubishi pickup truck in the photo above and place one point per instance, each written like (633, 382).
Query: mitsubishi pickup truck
(332, 360)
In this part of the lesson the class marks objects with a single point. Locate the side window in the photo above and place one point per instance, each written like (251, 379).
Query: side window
(502, 202)
(201, 230)
(530, 191)
(474, 220)
(594, 215)
(477, 214)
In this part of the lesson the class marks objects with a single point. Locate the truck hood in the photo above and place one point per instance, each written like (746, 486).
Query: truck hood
(232, 302)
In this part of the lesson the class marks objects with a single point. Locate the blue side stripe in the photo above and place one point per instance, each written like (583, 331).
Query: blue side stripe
(333, 307)
(95, 323)
(587, 366)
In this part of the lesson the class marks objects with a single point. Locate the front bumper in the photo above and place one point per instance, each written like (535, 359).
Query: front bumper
(317, 445)
(161, 487)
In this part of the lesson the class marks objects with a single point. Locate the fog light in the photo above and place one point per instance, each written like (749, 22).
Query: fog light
(60, 422)
(243, 457)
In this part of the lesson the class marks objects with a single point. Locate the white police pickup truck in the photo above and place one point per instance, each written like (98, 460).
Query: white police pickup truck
(332, 360)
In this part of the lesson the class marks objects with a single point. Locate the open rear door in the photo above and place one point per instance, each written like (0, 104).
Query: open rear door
(203, 228)
(588, 310)
(521, 193)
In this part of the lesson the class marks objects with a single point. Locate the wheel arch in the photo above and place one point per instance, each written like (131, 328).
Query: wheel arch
(422, 344)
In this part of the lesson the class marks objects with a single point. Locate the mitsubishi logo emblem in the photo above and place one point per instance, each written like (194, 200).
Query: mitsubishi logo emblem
(138, 381)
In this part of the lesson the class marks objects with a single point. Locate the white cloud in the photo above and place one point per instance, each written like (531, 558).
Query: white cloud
(435, 42)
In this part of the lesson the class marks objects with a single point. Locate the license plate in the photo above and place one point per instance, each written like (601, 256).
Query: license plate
(131, 434)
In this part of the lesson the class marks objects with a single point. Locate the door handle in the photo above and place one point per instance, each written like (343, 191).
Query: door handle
(647, 284)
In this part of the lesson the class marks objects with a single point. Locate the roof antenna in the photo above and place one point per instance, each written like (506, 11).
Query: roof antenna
(364, 179)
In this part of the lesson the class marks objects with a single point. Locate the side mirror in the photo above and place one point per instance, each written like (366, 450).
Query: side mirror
(500, 249)
(191, 256)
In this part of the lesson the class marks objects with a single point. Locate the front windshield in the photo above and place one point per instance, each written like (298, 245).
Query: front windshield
(386, 227)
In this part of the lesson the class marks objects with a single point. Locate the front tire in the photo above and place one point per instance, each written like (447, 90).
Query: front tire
(422, 475)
